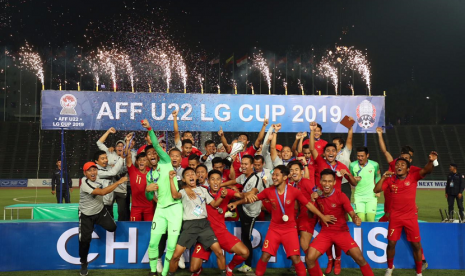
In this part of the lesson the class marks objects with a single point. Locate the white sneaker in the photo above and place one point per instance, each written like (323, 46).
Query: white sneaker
(419, 274)
(228, 214)
(159, 266)
(389, 271)
(245, 268)
(181, 263)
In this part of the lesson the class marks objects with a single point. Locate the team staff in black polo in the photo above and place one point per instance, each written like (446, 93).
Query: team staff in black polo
(91, 209)
(454, 190)
(67, 184)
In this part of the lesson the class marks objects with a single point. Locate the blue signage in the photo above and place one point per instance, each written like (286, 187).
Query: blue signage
(86, 110)
(13, 183)
(127, 247)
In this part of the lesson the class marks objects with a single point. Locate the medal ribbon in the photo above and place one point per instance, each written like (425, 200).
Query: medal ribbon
(332, 168)
(279, 200)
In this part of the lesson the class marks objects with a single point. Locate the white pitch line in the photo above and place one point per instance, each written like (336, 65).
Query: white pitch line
(17, 200)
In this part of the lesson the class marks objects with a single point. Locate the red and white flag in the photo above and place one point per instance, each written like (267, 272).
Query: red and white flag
(241, 61)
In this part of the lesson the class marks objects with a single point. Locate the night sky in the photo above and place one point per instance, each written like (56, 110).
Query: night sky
(405, 41)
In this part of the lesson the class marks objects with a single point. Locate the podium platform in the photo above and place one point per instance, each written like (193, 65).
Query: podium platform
(49, 211)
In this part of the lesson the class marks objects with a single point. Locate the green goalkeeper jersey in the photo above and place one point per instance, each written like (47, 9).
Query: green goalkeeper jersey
(370, 176)
(161, 176)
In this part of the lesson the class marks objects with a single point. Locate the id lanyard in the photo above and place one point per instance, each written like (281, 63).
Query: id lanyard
(279, 200)
(296, 184)
(201, 201)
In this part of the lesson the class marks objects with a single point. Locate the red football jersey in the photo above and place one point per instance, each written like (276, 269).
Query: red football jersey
(226, 173)
(322, 164)
(292, 195)
(216, 218)
(319, 145)
(403, 194)
(237, 163)
(337, 204)
(387, 192)
(306, 188)
(138, 184)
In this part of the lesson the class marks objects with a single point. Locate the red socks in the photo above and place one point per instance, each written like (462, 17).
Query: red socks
(329, 253)
(300, 269)
(390, 263)
(366, 270)
(236, 260)
(418, 266)
(315, 271)
(338, 252)
(261, 268)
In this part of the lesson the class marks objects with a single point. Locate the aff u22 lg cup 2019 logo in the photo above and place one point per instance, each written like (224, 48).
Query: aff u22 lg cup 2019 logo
(366, 114)
(68, 102)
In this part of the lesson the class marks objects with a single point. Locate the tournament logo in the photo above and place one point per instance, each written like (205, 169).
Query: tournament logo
(68, 102)
(366, 114)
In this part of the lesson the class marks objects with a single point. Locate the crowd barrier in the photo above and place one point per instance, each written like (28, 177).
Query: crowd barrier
(43, 182)
(54, 245)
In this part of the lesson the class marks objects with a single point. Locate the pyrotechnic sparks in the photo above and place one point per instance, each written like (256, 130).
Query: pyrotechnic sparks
(32, 61)
(301, 86)
(126, 63)
(357, 61)
(201, 79)
(162, 60)
(328, 70)
(107, 60)
(260, 62)
(94, 70)
(180, 68)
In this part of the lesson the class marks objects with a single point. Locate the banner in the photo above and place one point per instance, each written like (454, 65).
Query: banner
(87, 110)
(432, 184)
(13, 183)
(47, 182)
(127, 247)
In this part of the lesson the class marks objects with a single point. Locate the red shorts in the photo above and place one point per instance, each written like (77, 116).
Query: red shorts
(412, 229)
(325, 240)
(226, 240)
(287, 237)
(142, 213)
(384, 218)
(304, 223)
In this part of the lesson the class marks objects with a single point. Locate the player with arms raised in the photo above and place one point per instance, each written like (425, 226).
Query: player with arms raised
(402, 184)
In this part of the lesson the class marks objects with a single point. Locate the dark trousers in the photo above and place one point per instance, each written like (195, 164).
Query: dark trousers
(247, 224)
(64, 195)
(110, 210)
(128, 200)
(347, 189)
(86, 227)
(120, 199)
(450, 201)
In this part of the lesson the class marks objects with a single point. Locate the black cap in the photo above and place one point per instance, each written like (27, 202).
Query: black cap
(453, 165)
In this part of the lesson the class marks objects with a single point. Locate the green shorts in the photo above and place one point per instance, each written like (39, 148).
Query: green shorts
(365, 205)
(168, 218)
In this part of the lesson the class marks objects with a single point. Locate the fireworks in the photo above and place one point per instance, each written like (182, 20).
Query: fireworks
(180, 68)
(162, 60)
(126, 63)
(32, 61)
(301, 86)
(199, 77)
(357, 61)
(107, 60)
(260, 62)
(328, 70)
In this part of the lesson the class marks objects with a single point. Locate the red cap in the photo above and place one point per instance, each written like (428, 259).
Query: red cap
(141, 149)
(279, 147)
(88, 165)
